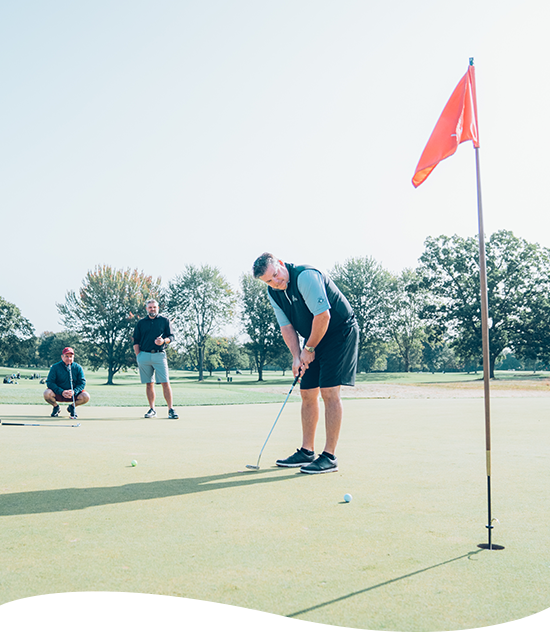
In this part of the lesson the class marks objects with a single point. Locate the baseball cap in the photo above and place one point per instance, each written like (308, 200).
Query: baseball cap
(67, 351)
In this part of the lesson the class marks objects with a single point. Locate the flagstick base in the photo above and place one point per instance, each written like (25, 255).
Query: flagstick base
(490, 547)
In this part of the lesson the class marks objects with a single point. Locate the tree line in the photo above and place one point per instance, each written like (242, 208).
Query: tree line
(428, 318)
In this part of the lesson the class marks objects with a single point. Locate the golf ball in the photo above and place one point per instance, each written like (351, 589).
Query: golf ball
(348, 497)
(134, 463)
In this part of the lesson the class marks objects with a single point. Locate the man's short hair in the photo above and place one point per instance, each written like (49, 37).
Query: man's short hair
(262, 263)
(151, 300)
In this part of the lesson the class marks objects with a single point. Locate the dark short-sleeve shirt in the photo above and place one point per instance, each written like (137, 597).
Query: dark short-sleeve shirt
(148, 329)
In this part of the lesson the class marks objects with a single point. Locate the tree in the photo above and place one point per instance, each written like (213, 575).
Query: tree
(231, 354)
(405, 324)
(105, 312)
(50, 346)
(283, 360)
(212, 355)
(17, 340)
(366, 285)
(518, 280)
(265, 341)
(200, 300)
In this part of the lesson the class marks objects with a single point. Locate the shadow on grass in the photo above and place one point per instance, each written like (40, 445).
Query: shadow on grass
(386, 583)
(73, 499)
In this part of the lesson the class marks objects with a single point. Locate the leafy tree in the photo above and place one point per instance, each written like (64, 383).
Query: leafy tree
(176, 358)
(105, 312)
(231, 354)
(212, 355)
(438, 356)
(265, 341)
(366, 285)
(50, 346)
(283, 360)
(17, 340)
(200, 300)
(518, 279)
(405, 324)
(533, 340)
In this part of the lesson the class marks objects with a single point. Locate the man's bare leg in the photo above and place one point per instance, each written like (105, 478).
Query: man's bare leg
(167, 392)
(150, 392)
(333, 416)
(310, 416)
(82, 398)
(49, 396)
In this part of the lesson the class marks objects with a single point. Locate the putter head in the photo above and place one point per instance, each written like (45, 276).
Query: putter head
(253, 467)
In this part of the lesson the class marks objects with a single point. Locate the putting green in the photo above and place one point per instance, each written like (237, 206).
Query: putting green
(191, 521)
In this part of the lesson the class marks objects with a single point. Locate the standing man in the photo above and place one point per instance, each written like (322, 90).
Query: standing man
(307, 303)
(151, 336)
(59, 384)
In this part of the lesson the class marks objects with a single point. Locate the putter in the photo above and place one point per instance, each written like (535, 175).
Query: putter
(10, 423)
(73, 416)
(257, 466)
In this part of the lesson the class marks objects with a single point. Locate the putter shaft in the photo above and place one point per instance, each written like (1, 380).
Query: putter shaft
(257, 466)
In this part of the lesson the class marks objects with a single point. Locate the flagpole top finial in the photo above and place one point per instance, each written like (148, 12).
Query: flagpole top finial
(471, 61)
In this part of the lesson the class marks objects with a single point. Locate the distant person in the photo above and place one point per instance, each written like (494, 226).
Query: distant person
(307, 303)
(152, 335)
(59, 384)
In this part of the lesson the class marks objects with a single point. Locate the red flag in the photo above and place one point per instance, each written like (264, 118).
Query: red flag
(457, 123)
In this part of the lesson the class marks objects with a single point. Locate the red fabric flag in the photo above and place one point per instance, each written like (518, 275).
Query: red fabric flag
(457, 123)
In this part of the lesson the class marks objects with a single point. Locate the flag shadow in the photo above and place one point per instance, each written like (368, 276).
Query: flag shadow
(74, 499)
(382, 584)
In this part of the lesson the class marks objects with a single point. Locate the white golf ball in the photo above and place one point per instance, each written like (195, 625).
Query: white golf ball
(134, 463)
(348, 498)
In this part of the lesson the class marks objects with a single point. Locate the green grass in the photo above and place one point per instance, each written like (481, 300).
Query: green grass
(128, 391)
(191, 521)
(244, 389)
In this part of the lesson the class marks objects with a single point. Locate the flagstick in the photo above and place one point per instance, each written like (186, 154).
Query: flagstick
(485, 343)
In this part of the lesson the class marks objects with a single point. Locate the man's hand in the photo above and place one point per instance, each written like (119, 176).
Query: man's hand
(306, 358)
(67, 394)
(298, 368)
(159, 341)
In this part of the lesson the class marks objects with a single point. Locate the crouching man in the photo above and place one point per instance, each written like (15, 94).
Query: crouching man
(65, 381)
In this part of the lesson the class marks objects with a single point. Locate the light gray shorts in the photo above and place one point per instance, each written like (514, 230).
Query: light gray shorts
(152, 363)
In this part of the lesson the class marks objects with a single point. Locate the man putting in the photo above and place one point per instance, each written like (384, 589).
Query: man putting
(307, 303)
(151, 336)
(66, 383)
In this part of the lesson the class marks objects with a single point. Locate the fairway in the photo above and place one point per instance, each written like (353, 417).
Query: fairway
(189, 520)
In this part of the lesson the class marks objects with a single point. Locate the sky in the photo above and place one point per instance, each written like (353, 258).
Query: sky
(152, 135)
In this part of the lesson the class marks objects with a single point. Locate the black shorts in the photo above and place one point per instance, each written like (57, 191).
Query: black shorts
(335, 361)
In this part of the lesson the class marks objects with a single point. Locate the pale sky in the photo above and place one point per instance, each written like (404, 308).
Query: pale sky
(152, 135)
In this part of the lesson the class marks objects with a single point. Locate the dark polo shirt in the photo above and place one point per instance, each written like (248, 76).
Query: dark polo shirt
(148, 329)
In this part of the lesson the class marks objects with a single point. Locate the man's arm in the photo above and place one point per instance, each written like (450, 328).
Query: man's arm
(167, 335)
(79, 381)
(293, 343)
(319, 328)
(51, 383)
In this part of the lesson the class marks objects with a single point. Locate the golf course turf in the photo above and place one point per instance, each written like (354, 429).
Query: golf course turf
(189, 520)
